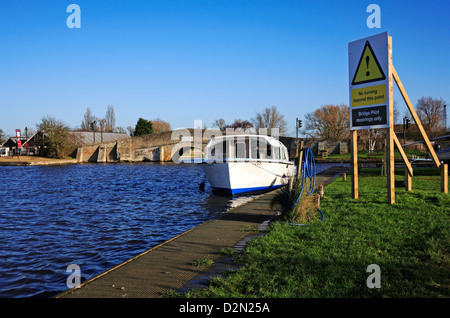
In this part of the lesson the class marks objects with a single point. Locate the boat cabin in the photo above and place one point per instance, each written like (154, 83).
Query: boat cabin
(245, 148)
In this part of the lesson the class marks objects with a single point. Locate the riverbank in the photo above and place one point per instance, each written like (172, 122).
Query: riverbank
(408, 242)
(33, 161)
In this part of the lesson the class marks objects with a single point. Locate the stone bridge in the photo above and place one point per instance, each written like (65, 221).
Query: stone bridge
(154, 147)
(161, 147)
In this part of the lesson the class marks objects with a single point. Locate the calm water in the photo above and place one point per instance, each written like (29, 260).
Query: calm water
(93, 215)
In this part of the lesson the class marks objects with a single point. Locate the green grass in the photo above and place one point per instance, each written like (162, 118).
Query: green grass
(227, 251)
(408, 240)
(202, 262)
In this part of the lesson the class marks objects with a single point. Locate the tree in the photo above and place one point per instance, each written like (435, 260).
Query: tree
(59, 140)
(372, 137)
(430, 112)
(329, 122)
(107, 124)
(130, 130)
(270, 118)
(120, 129)
(2, 137)
(240, 124)
(143, 127)
(110, 119)
(160, 125)
(88, 119)
(220, 123)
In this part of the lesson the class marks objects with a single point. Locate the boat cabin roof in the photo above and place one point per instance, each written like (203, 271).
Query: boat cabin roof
(268, 139)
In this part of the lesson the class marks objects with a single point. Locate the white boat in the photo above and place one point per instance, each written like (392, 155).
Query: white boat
(237, 164)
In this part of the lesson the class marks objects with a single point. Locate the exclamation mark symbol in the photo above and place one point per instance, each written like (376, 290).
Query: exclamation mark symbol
(367, 63)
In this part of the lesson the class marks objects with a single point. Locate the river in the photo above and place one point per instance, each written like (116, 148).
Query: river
(95, 216)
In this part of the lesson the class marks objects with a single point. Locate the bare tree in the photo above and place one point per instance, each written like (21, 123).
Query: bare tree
(130, 130)
(372, 137)
(240, 124)
(88, 119)
(120, 129)
(430, 112)
(220, 123)
(330, 122)
(396, 113)
(270, 118)
(2, 137)
(110, 119)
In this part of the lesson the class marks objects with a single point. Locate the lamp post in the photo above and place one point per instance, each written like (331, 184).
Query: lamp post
(405, 126)
(102, 124)
(26, 139)
(93, 128)
(298, 125)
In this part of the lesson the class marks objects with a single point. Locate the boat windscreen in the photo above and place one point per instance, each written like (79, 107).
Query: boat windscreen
(240, 147)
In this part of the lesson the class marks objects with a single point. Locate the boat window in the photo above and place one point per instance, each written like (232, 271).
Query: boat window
(269, 150)
(281, 153)
(218, 151)
(254, 148)
(263, 150)
(224, 150)
(240, 148)
(276, 153)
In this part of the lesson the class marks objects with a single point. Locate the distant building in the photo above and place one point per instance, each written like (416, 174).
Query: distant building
(29, 144)
(36, 143)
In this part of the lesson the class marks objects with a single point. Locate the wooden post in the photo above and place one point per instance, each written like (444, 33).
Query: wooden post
(444, 178)
(300, 158)
(320, 192)
(415, 117)
(390, 132)
(408, 167)
(403, 154)
(317, 200)
(408, 179)
(354, 164)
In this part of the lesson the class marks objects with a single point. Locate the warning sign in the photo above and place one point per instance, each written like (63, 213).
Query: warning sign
(371, 95)
(369, 69)
(368, 62)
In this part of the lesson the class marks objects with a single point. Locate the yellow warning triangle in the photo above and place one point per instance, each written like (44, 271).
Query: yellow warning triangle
(368, 70)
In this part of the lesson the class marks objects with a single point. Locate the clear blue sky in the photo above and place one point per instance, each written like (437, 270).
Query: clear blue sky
(202, 60)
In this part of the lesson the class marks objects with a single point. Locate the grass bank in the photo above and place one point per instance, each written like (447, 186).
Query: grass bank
(409, 241)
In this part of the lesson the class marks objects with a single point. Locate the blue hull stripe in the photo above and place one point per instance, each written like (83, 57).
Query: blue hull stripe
(246, 190)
